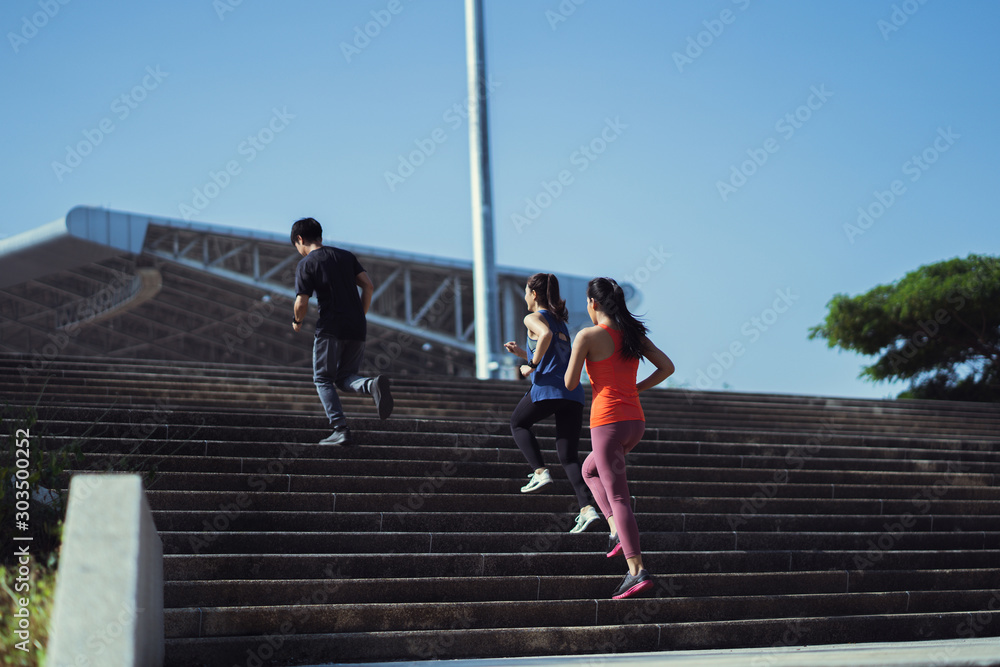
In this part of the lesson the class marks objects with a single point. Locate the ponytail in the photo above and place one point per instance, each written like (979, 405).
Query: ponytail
(546, 286)
(611, 298)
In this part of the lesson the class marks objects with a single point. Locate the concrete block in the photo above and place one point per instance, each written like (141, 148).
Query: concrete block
(108, 608)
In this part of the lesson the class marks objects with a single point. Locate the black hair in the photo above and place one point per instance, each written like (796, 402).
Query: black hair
(310, 230)
(611, 298)
(546, 286)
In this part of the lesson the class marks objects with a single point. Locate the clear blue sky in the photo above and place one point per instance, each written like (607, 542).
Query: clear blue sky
(821, 105)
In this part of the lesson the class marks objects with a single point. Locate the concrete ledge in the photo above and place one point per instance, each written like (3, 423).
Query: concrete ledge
(109, 587)
(945, 653)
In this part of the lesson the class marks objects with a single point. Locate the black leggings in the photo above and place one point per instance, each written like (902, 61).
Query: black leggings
(569, 418)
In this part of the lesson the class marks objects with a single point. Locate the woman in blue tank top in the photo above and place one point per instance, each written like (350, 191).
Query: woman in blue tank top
(546, 360)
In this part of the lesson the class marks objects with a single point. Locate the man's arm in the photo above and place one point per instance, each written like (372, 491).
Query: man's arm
(300, 310)
(367, 289)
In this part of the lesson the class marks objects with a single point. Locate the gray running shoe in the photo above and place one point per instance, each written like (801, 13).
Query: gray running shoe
(632, 585)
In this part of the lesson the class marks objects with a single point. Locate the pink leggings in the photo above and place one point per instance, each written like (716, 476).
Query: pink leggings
(604, 473)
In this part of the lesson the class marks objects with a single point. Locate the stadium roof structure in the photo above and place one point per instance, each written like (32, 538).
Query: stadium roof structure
(115, 284)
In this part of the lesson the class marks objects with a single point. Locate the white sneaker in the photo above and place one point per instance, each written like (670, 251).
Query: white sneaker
(584, 519)
(536, 481)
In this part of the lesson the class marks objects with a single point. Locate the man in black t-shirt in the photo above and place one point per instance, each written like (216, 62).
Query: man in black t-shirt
(335, 275)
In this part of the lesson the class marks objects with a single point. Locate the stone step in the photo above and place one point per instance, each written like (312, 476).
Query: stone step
(474, 564)
(414, 543)
(285, 643)
(665, 403)
(249, 592)
(247, 517)
(724, 403)
(498, 478)
(382, 617)
(720, 400)
(154, 424)
(273, 492)
(504, 494)
(149, 437)
(82, 382)
(717, 403)
(353, 474)
(505, 453)
(306, 402)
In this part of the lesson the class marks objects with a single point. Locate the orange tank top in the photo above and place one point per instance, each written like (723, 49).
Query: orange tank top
(615, 398)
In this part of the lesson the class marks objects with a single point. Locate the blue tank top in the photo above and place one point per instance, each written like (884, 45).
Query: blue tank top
(548, 380)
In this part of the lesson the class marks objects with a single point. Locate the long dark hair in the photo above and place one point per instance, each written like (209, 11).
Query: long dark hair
(546, 286)
(611, 298)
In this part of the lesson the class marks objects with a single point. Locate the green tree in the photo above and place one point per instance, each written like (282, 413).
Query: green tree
(938, 327)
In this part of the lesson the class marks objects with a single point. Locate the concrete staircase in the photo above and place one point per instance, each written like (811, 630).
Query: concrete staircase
(767, 520)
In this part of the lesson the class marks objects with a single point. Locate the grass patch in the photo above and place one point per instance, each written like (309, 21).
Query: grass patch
(25, 637)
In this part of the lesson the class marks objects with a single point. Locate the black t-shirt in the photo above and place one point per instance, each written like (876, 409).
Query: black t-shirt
(330, 273)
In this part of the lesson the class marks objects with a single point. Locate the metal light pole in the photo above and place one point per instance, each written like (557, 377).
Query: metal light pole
(484, 272)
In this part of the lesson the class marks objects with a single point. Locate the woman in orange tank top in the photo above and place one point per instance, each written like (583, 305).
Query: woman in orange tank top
(611, 350)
